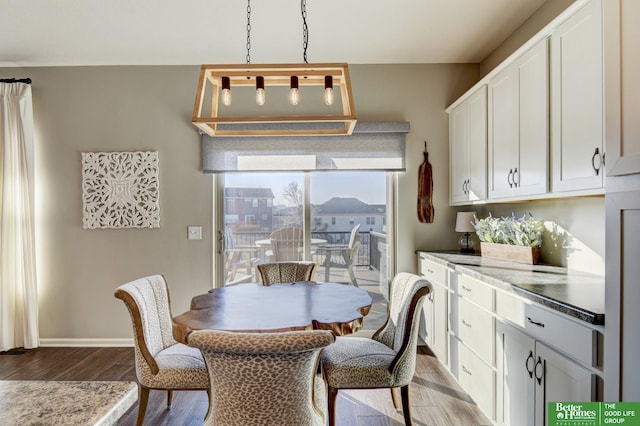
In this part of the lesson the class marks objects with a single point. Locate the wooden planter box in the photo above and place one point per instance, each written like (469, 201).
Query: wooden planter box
(519, 254)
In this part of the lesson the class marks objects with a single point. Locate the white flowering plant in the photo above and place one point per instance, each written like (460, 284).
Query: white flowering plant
(518, 231)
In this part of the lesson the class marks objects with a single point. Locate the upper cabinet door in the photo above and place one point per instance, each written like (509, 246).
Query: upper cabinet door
(622, 86)
(477, 184)
(468, 149)
(458, 153)
(518, 126)
(532, 74)
(503, 134)
(576, 101)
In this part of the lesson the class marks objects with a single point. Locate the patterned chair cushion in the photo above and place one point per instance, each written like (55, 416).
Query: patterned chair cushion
(264, 378)
(359, 363)
(181, 367)
(286, 272)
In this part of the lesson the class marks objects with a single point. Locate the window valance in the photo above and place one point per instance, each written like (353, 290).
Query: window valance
(371, 146)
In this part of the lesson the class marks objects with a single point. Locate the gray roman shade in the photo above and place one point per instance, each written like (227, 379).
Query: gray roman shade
(371, 146)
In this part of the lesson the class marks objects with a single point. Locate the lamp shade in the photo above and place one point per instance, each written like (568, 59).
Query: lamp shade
(464, 222)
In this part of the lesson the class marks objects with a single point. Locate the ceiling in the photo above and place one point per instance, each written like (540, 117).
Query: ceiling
(187, 32)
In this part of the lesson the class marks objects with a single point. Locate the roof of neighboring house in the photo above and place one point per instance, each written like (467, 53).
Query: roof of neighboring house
(248, 193)
(348, 205)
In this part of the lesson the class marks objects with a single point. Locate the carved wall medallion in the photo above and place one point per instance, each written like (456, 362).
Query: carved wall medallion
(120, 190)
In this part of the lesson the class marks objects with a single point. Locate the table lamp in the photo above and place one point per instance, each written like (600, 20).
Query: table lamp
(464, 222)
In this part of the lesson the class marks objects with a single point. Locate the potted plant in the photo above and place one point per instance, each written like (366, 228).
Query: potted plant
(517, 239)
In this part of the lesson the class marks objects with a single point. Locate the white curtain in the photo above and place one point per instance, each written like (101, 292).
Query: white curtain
(18, 288)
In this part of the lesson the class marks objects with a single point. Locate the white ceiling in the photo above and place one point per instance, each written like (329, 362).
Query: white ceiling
(186, 32)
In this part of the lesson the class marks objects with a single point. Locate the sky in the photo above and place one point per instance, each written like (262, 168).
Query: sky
(369, 187)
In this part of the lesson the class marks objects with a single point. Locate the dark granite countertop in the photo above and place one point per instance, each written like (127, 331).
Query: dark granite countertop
(577, 294)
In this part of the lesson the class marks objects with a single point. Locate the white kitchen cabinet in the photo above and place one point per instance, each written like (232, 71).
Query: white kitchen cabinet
(531, 374)
(622, 250)
(468, 149)
(434, 329)
(518, 126)
(622, 293)
(622, 85)
(577, 130)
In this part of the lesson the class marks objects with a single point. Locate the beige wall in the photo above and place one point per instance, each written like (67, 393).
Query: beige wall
(81, 109)
(574, 235)
(541, 17)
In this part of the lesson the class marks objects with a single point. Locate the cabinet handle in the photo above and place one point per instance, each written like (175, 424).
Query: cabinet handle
(526, 364)
(509, 178)
(539, 364)
(466, 371)
(466, 323)
(467, 186)
(516, 182)
(465, 288)
(593, 161)
(430, 271)
(539, 324)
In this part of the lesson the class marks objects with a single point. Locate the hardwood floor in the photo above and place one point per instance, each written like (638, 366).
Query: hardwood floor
(436, 398)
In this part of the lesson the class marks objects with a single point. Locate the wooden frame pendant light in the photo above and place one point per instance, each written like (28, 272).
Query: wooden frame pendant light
(214, 78)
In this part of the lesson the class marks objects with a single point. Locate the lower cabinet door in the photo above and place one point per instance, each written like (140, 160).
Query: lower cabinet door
(515, 391)
(440, 323)
(559, 379)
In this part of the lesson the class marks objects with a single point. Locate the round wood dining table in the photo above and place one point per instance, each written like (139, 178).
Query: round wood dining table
(279, 307)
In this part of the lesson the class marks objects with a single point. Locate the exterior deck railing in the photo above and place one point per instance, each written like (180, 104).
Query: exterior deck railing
(368, 254)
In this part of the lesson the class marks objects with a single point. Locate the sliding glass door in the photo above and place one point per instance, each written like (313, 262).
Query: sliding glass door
(336, 219)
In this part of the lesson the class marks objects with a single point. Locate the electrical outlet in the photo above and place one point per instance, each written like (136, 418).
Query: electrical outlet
(194, 233)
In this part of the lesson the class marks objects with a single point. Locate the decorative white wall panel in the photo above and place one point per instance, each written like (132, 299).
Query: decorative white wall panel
(120, 190)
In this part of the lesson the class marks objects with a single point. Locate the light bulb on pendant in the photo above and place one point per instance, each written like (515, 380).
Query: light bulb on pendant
(261, 96)
(294, 92)
(328, 90)
(226, 91)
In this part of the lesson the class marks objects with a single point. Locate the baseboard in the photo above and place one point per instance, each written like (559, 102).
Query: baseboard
(86, 342)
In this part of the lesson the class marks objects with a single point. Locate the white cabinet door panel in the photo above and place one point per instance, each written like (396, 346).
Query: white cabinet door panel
(576, 101)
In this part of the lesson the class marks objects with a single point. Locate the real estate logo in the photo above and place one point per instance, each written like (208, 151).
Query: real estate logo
(593, 413)
(574, 413)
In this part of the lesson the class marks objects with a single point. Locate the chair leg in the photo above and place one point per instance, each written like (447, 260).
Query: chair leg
(169, 398)
(394, 398)
(142, 404)
(406, 409)
(332, 396)
(352, 276)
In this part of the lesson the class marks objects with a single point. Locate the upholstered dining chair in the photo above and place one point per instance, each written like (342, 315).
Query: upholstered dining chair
(388, 358)
(286, 272)
(161, 362)
(264, 378)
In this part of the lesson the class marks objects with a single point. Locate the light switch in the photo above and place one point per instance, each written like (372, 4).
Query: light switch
(194, 233)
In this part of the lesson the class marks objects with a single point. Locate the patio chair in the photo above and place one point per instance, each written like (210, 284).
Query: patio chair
(348, 255)
(238, 258)
(286, 244)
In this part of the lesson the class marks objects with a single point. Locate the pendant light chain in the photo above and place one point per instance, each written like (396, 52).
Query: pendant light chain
(305, 30)
(248, 31)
